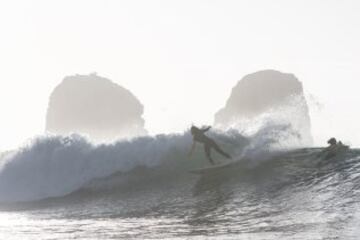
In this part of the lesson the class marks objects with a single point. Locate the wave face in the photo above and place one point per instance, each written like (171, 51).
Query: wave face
(142, 189)
(55, 166)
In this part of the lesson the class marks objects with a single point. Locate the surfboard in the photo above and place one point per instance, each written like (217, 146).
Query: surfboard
(213, 168)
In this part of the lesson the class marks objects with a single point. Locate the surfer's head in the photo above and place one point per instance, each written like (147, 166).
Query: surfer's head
(332, 141)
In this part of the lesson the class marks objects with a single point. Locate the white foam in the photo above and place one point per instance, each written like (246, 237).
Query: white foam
(55, 166)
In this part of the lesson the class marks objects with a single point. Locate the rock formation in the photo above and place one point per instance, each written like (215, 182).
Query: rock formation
(94, 106)
(272, 92)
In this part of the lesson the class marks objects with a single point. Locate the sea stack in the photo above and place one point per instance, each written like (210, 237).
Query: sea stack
(94, 106)
(268, 92)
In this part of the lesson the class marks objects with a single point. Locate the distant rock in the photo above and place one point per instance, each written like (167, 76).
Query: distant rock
(94, 106)
(267, 91)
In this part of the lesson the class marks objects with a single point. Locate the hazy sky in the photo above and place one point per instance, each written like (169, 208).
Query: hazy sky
(180, 58)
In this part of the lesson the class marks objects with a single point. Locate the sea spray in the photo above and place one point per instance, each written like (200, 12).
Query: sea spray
(54, 166)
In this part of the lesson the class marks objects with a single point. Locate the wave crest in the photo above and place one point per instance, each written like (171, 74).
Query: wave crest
(54, 166)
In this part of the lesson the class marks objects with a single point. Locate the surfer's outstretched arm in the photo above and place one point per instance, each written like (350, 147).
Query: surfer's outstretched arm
(192, 149)
(206, 129)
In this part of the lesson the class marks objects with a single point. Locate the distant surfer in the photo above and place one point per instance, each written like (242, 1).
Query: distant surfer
(332, 143)
(334, 148)
(335, 144)
(199, 136)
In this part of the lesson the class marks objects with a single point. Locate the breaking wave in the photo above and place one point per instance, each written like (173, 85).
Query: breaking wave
(55, 166)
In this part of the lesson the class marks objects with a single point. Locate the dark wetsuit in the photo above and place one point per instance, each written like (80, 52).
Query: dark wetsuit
(199, 136)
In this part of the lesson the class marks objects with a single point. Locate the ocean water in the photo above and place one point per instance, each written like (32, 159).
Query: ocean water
(68, 188)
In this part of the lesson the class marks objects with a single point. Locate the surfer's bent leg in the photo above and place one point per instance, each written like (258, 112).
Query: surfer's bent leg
(219, 150)
(207, 149)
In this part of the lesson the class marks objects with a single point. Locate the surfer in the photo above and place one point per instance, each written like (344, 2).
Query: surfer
(199, 136)
(332, 143)
(335, 144)
(334, 148)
